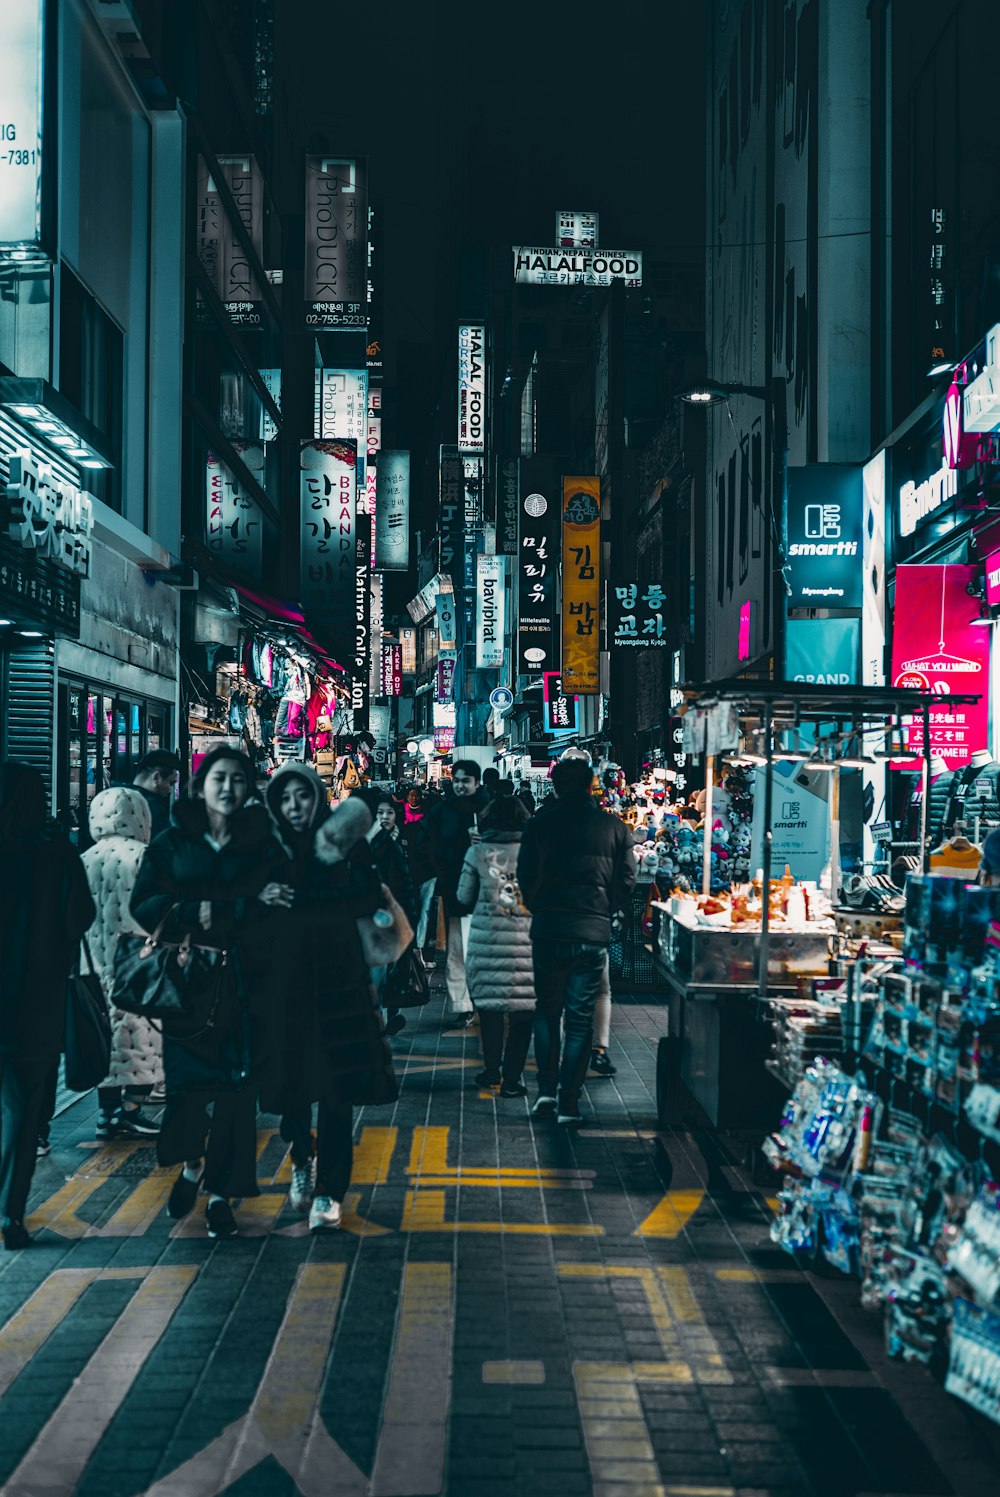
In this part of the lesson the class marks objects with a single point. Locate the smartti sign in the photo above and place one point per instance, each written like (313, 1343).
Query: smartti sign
(825, 536)
(576, 267)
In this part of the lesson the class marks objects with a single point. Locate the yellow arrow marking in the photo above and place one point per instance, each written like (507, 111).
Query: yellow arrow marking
(59, 1455)
(58, 1213)
(670, 1217)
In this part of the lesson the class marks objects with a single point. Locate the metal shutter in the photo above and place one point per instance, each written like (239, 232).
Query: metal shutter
(31, 707)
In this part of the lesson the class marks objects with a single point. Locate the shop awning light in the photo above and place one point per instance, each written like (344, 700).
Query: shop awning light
(54, 420)
(943, 366)
(706, 393)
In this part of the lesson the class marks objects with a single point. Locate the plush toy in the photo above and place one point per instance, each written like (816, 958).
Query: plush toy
(349, 823)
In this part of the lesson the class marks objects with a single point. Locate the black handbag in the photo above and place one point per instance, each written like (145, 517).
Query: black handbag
(167, 981)
(88, 1029)
(407, 984)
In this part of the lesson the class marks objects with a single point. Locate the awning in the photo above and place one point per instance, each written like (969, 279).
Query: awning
(279, 614)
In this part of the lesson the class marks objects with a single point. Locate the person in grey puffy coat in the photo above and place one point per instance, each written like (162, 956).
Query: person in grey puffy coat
(498, 959)
(120, 824)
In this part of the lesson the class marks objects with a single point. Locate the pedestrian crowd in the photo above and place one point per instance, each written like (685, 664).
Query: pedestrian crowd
(257, 949)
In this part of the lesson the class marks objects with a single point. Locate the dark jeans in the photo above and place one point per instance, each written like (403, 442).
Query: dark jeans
(567, 985)
(333, 1147)
(219, 1128)
(109, 1098)
(25, 1087)
(509, 1059)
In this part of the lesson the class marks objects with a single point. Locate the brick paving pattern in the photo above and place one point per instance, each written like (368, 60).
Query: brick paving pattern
(510, 1309)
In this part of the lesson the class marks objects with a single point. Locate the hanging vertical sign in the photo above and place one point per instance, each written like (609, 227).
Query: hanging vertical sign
(363, 636)
(408, 645)
(341, 404)
(392, 519)
(445, 676)
(241, 291)
(376, 624)
(581, 590)
(472, 387)
(336, 269)
(559, 710)
(328, 480)
(635, 614)
(391, 681)
(507, 496)
(538, 514)
(233, 529)
(577, 230)
(451, 517)
(489, 613)
(446, 622)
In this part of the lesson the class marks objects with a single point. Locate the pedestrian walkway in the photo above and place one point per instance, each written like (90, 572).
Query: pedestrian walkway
(510, 1309)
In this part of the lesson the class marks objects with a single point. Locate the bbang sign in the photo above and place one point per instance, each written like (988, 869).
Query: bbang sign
(472, 388)
(936, 648)
(576, 267)
(328, 483)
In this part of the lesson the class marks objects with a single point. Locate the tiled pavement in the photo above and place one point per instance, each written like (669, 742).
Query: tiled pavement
(510, 1310)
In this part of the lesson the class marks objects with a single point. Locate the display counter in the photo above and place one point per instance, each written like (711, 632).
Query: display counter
(718, 1040)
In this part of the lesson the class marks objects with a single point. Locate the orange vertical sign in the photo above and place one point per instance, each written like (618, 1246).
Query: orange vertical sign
(581, 586)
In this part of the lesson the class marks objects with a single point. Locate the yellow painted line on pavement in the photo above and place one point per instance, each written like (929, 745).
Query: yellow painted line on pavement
(514, 1373)
(424, 1211)
(58, 1213)
(59, 1455)
(38, 1317)
(672, 1215)
(429, 1164)
(142, 1207)
(373, 1156)
(411, 1449)
(283, 1420)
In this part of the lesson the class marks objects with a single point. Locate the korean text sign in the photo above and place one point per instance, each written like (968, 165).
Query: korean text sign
(328, 482)
(635, 614)
(536, 568)
(936, 648)
(581, 591)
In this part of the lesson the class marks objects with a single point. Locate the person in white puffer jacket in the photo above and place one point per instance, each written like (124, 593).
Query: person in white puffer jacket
(120, 825)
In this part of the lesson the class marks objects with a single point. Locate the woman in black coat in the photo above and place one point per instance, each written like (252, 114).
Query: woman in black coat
(214, 874)
(45, 908)
(333, 1049)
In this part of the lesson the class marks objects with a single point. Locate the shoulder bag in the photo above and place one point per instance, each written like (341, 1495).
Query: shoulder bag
(169, 980)
(407, 984)
(88, 1028)
(384, 944)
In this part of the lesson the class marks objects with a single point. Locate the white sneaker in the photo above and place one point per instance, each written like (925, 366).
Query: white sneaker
(303, 1185)
(545, 1107)
(324, 1215)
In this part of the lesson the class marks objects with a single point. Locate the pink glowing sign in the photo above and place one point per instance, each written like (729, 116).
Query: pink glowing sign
(745, 619)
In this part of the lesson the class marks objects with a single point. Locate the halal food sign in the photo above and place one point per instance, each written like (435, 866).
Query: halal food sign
(576, 267)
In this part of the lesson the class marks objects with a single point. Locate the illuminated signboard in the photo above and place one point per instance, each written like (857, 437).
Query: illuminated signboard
(489, 612)
(21, 93)
(472, 388)
(336, 269)
(576, 267)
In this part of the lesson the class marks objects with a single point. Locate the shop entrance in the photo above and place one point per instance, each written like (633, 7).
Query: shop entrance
(101, 738)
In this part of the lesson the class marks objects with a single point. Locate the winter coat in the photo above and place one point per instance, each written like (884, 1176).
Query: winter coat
(576, 869)
(448, 824)
(120, 826)
(45, 907)
(498, 965)
(389, 858)
(159, 810)
(414, 837)
(332, 1045)
(179, 870)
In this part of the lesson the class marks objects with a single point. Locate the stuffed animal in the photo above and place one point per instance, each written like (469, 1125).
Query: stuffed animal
(349, 823)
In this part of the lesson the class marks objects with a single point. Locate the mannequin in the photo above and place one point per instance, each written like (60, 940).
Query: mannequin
(937, 801)
(974, 795)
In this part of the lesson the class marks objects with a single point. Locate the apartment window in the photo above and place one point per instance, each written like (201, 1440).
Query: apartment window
(91, 363)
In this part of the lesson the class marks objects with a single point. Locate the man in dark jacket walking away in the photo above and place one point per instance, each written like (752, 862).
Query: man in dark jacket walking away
(156, 777)
(449, 827)
(575, 870)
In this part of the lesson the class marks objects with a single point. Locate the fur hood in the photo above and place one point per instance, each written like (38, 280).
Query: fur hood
(348, 823)
(120, 813)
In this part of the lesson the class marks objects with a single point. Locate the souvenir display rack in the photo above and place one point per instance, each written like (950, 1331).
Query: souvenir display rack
(890, 1163)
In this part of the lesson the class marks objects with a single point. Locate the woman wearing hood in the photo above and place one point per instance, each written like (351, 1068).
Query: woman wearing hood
(45, 907)
(213, 875)
(333, 1049)
(120, 823)
(499, 957)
